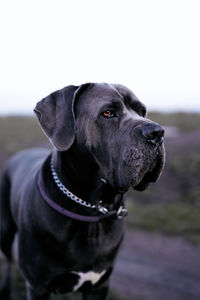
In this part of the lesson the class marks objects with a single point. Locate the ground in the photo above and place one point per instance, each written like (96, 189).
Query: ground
(153, 267)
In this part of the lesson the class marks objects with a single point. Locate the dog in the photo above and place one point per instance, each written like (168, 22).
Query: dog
(67, 205)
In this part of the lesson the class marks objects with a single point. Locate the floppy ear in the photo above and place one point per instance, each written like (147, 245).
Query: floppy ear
(55, 114)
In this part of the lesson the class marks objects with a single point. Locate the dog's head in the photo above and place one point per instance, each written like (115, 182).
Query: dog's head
(108, 122)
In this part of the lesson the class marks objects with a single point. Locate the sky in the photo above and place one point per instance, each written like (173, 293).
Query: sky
(151, 46)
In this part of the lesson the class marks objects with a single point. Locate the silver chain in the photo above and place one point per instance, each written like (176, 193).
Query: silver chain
(69, 194)
(120, 214)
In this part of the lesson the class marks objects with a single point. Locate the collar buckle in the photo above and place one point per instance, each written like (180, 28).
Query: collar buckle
(121, 213)
(102, 210)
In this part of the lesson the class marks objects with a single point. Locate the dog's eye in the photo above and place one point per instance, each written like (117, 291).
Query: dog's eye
(108, 114)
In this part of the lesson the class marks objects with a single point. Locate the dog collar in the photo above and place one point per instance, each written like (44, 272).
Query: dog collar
(118, 214)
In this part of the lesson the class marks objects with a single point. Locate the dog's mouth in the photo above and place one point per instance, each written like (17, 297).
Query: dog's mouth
(153, 173)
(140, 164)
(150, 176)
(140, 169)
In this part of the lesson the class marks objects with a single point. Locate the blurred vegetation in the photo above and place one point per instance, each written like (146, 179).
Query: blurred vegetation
(176, 218)
(184, 121)
(17, 132)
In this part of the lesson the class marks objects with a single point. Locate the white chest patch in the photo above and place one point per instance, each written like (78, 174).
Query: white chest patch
(91, 276)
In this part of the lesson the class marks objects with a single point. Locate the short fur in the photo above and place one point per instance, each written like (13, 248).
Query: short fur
(125, 149)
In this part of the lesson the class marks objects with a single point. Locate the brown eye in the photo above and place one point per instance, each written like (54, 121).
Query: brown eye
(108, 114)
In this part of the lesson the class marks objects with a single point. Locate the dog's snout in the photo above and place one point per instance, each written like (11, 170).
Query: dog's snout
(153, 132)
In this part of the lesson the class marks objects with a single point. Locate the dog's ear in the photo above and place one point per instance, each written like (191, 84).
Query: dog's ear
(55, 114)
(131, 99)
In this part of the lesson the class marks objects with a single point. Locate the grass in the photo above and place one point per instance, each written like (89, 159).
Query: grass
(180, 219)
(179, 165)
(17, 133)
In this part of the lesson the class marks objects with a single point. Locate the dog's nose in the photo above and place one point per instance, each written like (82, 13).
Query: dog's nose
(153, 132)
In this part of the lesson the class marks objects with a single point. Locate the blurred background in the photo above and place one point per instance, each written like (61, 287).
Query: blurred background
(153, 48)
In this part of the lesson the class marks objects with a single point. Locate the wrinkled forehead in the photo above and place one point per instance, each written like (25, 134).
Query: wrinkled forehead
(99, 94)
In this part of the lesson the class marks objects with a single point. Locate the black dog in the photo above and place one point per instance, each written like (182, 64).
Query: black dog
(104, 145)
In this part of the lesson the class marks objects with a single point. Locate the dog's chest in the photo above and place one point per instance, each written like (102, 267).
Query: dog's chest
(90, 276)
(77, 280)
(86, 260)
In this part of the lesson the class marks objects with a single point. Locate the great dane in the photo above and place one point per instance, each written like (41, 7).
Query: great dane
(67, 205)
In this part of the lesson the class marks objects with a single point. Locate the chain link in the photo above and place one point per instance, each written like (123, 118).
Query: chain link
(120, 213)
(69, 194)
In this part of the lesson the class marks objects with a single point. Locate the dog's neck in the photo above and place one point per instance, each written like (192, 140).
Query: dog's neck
(81, 175)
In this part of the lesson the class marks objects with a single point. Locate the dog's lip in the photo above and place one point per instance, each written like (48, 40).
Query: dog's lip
(143, 183)
(146, 178)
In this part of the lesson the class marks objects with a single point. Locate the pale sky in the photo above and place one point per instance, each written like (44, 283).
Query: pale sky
(151, 46)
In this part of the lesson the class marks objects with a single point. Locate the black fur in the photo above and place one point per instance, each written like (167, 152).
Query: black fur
(89, 146)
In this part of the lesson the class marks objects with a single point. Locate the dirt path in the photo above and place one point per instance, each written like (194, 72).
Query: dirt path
(154, 267)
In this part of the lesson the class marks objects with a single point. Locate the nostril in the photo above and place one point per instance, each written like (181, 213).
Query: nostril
(153, 132)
